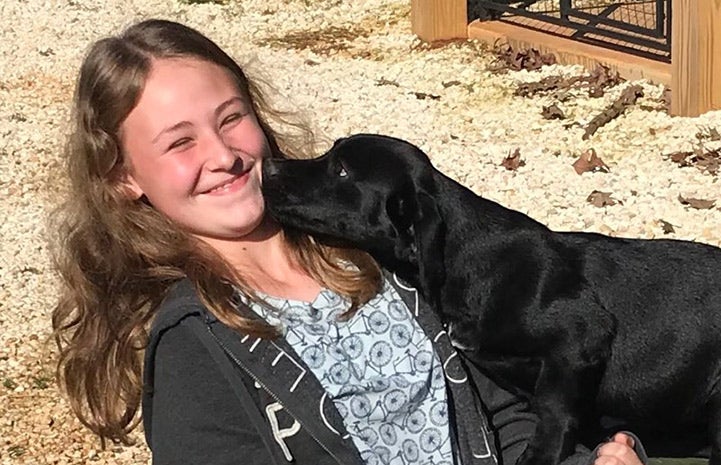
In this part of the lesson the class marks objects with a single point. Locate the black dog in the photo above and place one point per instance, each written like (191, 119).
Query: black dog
(583, 323)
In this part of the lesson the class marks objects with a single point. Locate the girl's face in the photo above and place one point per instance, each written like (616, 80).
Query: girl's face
(193, 148)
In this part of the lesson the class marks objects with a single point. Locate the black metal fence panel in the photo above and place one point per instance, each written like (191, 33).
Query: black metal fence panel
(641, 27)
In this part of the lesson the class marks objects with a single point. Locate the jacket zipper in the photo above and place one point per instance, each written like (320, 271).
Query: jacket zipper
(261, 384)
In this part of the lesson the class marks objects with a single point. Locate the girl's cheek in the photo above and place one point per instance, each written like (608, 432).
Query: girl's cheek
(250, 138)
(184, 173)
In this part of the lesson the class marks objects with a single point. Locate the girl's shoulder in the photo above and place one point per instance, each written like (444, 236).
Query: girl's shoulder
(180, 302)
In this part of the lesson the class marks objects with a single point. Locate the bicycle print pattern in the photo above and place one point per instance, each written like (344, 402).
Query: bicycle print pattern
(380, 370)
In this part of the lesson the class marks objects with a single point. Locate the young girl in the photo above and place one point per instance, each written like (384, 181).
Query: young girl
(260, 345)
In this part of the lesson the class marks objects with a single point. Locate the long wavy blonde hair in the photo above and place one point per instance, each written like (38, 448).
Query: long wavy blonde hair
(117, 256)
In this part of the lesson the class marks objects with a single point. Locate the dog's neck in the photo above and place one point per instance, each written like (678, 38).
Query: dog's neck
(458, 223)
(487, 219)
(488, 216)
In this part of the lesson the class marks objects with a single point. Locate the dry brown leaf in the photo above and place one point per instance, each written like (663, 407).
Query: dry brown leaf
(666, 227)
(627, 98)
(680, 157)
(387, 82)
(602, 78)
(701, 158)
(513, 160)
(596, 92)
(423, 96)
(561, 95)
(597, 82)
(547, 84)
(666, 98)
(699, 204)
(602, 199)
(589, 161)
(708, 133)
(509, 58)
(451, 83)
(710, 164)
(552, 112)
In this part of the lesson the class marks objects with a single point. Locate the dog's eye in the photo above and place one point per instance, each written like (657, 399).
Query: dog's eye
(342, 173)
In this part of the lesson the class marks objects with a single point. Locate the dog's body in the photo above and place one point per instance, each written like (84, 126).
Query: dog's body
(583, 323)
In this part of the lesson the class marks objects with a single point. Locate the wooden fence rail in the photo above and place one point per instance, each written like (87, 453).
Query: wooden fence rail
(695, 70)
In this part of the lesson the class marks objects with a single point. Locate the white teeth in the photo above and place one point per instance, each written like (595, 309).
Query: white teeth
(224, 187)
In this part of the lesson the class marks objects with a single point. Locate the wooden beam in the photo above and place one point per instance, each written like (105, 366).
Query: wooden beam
(695, 57)
(433, 20)
(570, 52)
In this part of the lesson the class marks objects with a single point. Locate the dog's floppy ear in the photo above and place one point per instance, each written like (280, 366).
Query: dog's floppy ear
(429, 234)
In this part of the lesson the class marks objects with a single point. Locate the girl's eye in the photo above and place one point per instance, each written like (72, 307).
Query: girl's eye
(231, 118)
(179, 143)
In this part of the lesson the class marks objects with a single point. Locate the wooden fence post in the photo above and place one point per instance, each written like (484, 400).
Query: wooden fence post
(439, 19)
(695, 57)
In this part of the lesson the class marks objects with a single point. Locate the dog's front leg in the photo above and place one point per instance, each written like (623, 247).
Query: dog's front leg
(560, 400)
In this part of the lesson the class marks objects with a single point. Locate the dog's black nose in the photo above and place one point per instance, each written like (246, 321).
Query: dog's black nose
(270, 168)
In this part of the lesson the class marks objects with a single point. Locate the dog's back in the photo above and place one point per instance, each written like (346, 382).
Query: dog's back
(663, 296)
(666, 298)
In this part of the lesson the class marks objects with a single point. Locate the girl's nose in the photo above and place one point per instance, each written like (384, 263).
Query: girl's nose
(220, 155)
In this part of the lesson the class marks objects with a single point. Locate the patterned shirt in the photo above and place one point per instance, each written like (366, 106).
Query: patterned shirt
(380, 370)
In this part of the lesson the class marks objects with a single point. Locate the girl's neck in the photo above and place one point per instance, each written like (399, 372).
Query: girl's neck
(266, 264)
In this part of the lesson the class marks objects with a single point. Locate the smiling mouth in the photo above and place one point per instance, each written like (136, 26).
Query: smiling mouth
(231, 186)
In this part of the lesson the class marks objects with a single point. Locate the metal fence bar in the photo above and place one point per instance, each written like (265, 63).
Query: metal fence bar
(652, 32)
(565, 8)
(661, 19)
(669, 23)
(626, 32)
(596, 20)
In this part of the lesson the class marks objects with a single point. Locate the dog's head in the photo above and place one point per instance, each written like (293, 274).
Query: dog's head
(374, 192)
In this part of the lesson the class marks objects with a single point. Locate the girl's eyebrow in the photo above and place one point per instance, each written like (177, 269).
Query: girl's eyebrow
(174, 127)
(228, 103)
(182, 124)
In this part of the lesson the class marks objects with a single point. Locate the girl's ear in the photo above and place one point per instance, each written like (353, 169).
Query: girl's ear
(129, 186)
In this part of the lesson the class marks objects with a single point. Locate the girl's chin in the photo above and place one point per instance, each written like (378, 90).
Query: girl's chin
(265, 228)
